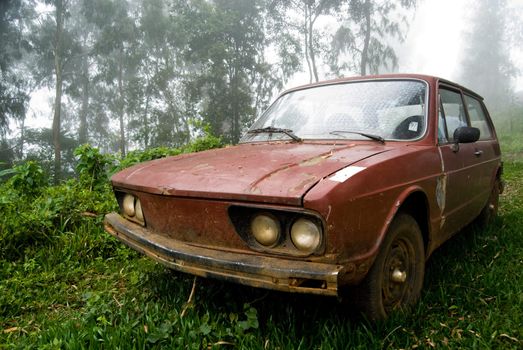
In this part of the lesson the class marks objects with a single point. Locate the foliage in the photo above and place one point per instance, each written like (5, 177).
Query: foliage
(92, 167)
(362, 43)
(13, 94)
(33, 212)
(199, 144)
(28, 179)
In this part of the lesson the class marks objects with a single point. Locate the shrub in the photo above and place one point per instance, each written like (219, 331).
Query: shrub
(33, 212)
(92, 167)
(203, 143)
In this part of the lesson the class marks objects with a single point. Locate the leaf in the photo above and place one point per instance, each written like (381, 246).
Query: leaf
(10, 330)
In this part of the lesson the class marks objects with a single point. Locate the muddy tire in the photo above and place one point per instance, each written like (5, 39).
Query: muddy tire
(490, 211)
(395, 279)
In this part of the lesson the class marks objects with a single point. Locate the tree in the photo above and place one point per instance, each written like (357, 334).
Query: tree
(55, 50)
(13, 95)
(361, 42)
(302, 25)
(116, 57)
(487, 67)
(225, 44)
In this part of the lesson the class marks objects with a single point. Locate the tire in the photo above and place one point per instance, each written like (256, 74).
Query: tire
(490, 210)
(395, 279)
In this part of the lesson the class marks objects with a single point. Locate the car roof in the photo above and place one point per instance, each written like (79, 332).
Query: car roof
(428, 78)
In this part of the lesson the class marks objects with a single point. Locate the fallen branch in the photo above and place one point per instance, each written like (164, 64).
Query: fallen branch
(191, 298)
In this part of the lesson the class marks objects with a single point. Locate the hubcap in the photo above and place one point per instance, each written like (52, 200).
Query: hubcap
(397, 274)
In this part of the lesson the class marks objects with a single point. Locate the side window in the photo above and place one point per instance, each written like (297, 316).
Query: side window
(442, 128)
(453, 111)
(478, 118)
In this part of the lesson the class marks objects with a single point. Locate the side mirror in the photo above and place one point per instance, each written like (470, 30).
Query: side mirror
(466, 134)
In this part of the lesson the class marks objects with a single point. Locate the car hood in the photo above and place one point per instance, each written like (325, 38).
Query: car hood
(278, 172)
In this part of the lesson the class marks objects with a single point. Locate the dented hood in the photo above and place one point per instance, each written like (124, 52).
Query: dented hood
(262, 172)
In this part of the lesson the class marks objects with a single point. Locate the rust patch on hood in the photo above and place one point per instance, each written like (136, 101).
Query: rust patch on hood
(315, 160)
(304, 184)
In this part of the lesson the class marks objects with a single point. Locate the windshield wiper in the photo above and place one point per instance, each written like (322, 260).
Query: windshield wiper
(273, 130)
(370, 136)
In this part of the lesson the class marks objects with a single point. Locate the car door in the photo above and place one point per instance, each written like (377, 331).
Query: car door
(460, 163)
(486, 149)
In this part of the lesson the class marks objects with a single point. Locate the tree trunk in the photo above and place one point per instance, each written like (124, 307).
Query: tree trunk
(82, 130)
(22, 138)
(58, 90)
(306, 36)
(145, 119)
(121, 105)
(311, 46)
(365, 51)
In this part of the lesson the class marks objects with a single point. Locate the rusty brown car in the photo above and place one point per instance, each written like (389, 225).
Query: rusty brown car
(341, 185)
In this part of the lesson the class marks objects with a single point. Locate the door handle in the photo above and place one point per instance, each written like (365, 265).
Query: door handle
(478, 153)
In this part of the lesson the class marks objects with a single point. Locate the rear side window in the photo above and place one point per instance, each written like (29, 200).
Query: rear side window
(478, 119)
(453, 112)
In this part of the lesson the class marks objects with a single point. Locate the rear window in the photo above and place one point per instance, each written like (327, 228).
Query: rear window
(478, 119)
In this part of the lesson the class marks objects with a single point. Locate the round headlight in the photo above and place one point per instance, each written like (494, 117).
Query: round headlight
(138, 210)
(128, 205)
(265, 229)
(305, 235)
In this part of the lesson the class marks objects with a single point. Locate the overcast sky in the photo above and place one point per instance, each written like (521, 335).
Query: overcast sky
(433, 46)
(434, 43)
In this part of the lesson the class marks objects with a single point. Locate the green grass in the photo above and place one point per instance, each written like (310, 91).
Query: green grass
(84, 289)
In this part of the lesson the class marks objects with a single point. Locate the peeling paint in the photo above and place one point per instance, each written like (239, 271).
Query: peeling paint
(203, 166)
(307, 181)
(441, 192)
(328, 213)
(166, 189)
(138, 170)
(315, 160)
(255, 190)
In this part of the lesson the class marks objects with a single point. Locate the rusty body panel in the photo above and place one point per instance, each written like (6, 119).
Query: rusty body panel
(197, 208)
(278, 172)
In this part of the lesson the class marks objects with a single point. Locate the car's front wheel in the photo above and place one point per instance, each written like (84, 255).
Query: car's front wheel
(395, 279)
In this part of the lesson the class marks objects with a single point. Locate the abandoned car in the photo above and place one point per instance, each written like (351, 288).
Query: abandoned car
(342, 187)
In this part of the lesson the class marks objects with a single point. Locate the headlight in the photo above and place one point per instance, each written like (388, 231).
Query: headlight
(132, 208)
(265, 229)
(138, 210)
(128, 205)
(305, 235)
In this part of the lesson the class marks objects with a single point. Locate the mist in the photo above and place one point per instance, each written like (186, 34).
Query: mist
(126, 74)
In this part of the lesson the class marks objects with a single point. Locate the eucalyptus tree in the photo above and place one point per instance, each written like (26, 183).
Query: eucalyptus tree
(116, 57)
(363, 41)
(224, 52)
(13, 83)
(159, 117)
(55, 49)
(300, 20)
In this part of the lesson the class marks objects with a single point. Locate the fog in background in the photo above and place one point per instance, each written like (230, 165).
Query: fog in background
(130, 74)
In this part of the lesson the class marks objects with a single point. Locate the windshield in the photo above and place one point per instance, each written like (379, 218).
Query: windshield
(384, 109)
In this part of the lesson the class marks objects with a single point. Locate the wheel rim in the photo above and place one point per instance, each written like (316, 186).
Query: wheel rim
(398, 274)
